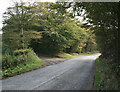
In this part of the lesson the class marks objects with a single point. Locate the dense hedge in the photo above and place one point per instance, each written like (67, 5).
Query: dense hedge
(104, 20)
(107, 36)
(105, 80)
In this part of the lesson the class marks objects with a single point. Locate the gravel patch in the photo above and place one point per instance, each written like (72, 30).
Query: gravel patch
(52, 61)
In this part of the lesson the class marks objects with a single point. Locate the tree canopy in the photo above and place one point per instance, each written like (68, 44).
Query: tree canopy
(43, 28)
(103, 18)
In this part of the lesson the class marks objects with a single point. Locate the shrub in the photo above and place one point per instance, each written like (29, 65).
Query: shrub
(52, 42)
(14, 65)
(22, 52)
(10, 61)
(19, 57)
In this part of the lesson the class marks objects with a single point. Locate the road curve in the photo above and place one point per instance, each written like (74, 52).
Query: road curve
(74, 74)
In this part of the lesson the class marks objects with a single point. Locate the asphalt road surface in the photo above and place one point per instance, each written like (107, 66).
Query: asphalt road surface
(74, 74)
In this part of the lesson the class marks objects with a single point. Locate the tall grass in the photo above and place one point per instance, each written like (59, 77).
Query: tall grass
(14, 65)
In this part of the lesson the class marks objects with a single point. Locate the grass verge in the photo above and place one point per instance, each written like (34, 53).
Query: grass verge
(22, 68)
(99, 68)
(73, 55)
(31, 62)
(105, 79)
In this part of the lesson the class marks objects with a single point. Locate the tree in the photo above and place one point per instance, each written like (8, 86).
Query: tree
(17, 21)
(43, 29)
(59, 32)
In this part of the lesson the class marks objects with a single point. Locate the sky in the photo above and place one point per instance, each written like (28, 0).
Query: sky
(4, 4)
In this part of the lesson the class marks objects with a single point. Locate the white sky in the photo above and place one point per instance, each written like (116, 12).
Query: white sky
(3, 6)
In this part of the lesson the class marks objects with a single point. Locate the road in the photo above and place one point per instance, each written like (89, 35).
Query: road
(74, 74)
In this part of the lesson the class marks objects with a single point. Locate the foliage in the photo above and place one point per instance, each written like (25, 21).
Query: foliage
(53, 42)
(105, 80)
(90, 44)
(59, 33)
(20, 57)
(45, 30)
(17, 21)
(103, 19)
(21, 52)
(13, 65)
(106, 31)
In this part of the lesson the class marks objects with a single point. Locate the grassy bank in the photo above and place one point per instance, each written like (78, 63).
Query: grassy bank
(15, 65)
(105, 80)
(99, 69)
(22, 68)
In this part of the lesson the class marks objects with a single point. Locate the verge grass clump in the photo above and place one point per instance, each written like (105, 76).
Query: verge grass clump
(19, 63)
